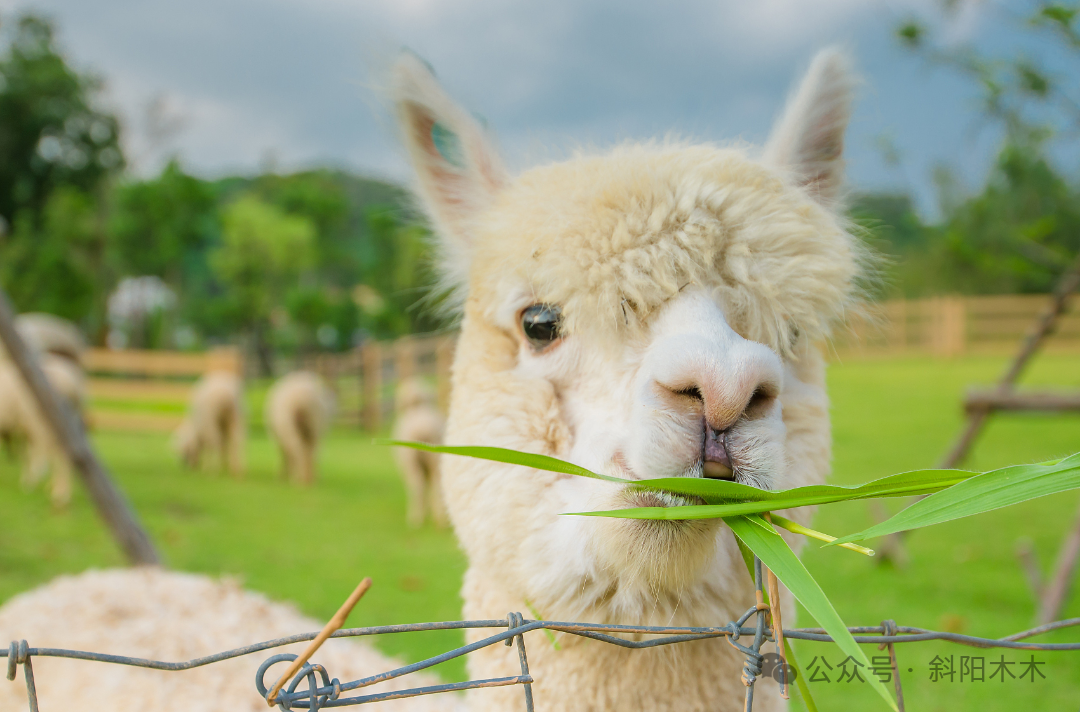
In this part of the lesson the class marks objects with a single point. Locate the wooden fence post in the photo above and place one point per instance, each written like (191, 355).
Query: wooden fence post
(110, 502)
(372, 359)
(404, 358)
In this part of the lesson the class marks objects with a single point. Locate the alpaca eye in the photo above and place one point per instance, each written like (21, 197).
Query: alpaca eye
(540, 322)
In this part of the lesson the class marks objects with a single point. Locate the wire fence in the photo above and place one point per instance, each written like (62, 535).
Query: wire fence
(323, 691)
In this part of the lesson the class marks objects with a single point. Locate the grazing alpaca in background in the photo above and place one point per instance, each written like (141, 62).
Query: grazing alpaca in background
(51, 334)
(656, 311)
(23, 424)
(215, 423)
(299, 409)
(419, 420)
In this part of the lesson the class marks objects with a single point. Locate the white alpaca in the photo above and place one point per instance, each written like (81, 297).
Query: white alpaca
(656, 311)
(215, 423)
(299, 408)
(419, 420)
(52, 334)
(22, 422)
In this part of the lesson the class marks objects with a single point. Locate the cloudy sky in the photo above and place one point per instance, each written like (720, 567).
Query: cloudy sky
(240, 85)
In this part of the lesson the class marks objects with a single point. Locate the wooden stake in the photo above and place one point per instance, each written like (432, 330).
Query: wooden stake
(1057, 589)
(778, 630)
(1068, 284)
(335, 623)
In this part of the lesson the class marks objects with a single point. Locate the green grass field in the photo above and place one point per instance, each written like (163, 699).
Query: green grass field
(312, 546)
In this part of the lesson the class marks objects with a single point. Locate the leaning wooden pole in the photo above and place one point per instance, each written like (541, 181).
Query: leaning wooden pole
(1068, 284)
(1054, 594)
(109, 501)
(892, 550)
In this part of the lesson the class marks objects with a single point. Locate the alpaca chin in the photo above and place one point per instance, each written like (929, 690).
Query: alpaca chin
(655, 556)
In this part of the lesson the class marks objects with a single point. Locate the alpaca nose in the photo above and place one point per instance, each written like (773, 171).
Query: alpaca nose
(698, 363)
(743, 382)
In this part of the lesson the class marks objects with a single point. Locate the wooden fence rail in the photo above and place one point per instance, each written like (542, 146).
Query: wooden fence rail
(366, 378)
(954, 326)
(133, 376)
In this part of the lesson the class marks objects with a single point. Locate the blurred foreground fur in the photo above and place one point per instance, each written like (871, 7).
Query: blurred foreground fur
(419, 420)
(215, 423)
(299, 408)
(162, 615)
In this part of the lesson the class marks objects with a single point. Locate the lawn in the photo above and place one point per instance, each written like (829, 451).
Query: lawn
(311, 546)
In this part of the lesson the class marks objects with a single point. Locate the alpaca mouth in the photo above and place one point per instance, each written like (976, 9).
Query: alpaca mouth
(659, 498)
(716, 460)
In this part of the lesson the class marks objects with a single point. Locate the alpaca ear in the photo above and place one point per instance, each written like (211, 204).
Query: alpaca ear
(458, 170)
(808, 140)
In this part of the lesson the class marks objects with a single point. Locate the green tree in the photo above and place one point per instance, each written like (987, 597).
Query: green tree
(57, 264)
(56, 153)
(262, 256)
(51, 134)
(158, 225)
(1023, 228)
(397, 268)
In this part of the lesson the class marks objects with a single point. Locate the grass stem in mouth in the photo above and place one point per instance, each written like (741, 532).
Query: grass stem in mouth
(797, 528)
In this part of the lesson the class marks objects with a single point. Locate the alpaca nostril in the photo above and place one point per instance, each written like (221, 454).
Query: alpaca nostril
(692, 392)
(759, 402)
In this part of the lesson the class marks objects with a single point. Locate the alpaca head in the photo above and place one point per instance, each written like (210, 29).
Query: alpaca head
(651, 312)
(185, 442)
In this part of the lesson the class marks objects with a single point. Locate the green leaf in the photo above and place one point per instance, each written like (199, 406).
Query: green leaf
(725, 491)
(756, 501)
(800, 681)
(983, 493)
(774, 552)
(510, 457)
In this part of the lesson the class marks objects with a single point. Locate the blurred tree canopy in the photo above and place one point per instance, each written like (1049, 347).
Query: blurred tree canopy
(57, 152)
(1022, 229)
(317, 259)
(321, 259)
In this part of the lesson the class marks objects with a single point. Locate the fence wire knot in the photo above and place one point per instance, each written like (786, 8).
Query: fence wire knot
(17, 655)
(513, 620)
(317, 695)
(889, 630)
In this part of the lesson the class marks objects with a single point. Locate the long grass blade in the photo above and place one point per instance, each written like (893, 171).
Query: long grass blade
(510, 457)
(984, 493)
(736, 497)
(770, 547)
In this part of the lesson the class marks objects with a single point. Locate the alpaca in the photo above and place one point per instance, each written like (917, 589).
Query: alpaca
(21, 420)
(52, 334)
(215, 422)
(653, 312)
(299, 408)
(419, 420)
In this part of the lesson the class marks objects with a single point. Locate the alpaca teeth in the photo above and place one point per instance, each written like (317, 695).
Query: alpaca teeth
(716, 471)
